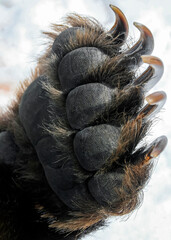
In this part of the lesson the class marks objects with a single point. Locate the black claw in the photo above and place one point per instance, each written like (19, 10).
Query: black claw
(120, 28)
(145, 44)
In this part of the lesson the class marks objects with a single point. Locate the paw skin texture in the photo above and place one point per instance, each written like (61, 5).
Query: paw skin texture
(84, 116)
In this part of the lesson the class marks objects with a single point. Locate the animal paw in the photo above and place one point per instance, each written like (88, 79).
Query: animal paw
(85, 116)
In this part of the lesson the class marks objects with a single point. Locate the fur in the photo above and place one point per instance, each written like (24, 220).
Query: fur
(29, 209)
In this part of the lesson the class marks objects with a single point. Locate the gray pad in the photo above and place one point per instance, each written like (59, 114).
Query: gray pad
(33, 110)
(104, 187)
(86, 103)
(64, 38)
(94, 145)
(77, 64)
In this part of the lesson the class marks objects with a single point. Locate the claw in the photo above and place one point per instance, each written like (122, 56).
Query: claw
(152, 75)
(120, 28)
(145, 44)
(155, 149)
(155, 101)
(158, 146)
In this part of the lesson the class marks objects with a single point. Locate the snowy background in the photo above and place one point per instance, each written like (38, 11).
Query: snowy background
(21, 23)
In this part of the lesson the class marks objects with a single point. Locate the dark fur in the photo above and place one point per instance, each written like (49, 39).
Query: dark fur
(29, 209)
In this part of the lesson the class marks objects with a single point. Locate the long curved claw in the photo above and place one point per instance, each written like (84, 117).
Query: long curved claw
(155, 149)
(120, 28)
(155, 101)
(152, 75)
(145, 43)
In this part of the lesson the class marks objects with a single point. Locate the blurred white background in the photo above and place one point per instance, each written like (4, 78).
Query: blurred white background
(21, 23)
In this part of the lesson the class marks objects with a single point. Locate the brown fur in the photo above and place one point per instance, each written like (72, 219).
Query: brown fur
(130, 192)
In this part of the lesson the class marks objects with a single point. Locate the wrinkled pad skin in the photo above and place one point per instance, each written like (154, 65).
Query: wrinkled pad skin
(63, 39)
(94, 145)
(63, 183)
(87, 102)
(76, 65)
(100, 187)
(33, 110)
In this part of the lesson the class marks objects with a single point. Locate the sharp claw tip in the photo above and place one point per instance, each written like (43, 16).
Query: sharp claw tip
(159, 147)
(143, 29)
(137, 24)
(112, 7)
(120, 27)
(115, 9)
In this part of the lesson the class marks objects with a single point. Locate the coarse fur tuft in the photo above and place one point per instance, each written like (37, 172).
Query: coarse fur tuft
(29, 208)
